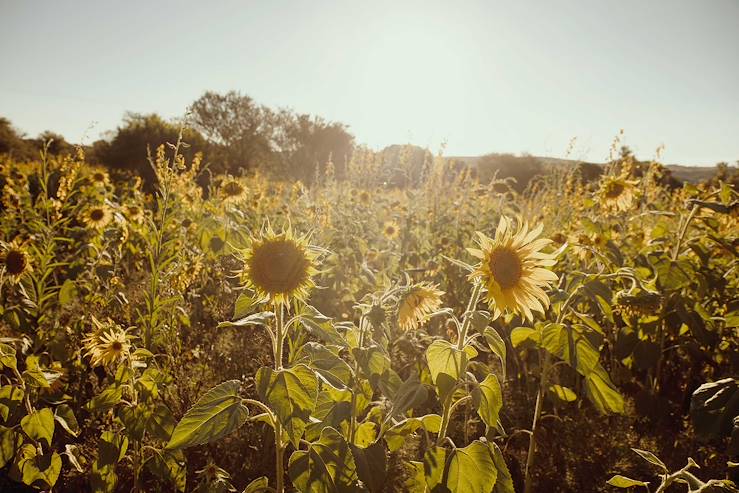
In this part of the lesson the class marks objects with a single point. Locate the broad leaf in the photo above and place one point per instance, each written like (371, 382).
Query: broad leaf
(371, 464)
(461, 470)
(326, 363)
(497, 346)
(41, 471)
(326, 467)
(64, 415)
(291, 394)
(216, 414)
(603, 394)
(7, 356)
(447, 364)
(39, 425)
(491, 400)
(10, 441)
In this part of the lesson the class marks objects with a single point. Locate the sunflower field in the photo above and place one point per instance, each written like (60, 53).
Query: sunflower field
(258, 335)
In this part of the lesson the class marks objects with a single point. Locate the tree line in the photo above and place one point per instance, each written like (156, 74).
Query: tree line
(236, 134)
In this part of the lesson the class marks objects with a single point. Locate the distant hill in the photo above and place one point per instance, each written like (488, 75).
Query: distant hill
(691, 174)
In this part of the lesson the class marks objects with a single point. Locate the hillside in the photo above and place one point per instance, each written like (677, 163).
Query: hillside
(692, 174)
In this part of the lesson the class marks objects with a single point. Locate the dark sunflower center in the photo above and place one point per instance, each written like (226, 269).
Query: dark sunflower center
(117, 346)
(98, 177)
(233, 189)
(134, 211)
(279, 266)
(390, 231)
(614, 189)
(506, 267)
(97, 214)
(217, 244)
(15, 262)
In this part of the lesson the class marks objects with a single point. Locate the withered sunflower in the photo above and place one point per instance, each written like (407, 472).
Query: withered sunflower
(280, 267)
(417, 303)
(514, 270)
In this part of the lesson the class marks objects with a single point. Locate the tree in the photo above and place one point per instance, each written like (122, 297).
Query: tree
(127, 150)
(12, 143)
(307, 143)
(57, 144)
(239, 131)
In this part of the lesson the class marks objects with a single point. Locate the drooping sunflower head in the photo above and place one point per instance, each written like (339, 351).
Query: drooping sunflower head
(617, 193)
(106, 344)
(280, 267)
(514, 270)
(390, 230)
(233, 190)
(417, 302)
(639, 302)
(14, 260)
(97, 217)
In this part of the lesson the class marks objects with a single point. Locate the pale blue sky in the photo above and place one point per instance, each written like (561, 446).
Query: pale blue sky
(484, 76)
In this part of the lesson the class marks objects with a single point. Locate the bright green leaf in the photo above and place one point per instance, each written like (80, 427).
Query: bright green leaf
(216, 414)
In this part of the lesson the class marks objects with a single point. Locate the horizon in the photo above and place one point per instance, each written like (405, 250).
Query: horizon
(418, 73)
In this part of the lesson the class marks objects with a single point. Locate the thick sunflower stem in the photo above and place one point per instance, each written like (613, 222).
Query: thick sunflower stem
(279, 446)
(445, 417)
(355, 389)
(530, 457)
(448, 405)
(474, 299)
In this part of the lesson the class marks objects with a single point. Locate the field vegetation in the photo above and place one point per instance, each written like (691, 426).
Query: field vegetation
(345, 325)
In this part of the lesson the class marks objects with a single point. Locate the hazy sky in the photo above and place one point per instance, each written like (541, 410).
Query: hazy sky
(483, 76)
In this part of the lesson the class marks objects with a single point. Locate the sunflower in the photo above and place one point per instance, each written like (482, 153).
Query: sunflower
(617, 193)
(365, 197)
(97, 217)
(216, 244)
(232, 191)
(134, 213)
(417, 303)
(107, 346)
(513, 269)
(100, 178)
(280, 267)
(390, 230)
(14, 260)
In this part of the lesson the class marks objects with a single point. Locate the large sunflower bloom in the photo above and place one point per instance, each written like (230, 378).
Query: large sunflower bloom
(417, 303)
(617, 193)
(513, 269)
(107, 346)
(280, 267)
